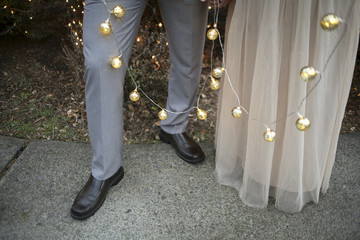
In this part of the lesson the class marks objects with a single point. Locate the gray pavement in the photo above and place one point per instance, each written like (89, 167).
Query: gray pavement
(161, 197)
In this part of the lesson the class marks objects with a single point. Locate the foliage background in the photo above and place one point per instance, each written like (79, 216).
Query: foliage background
(41, 69)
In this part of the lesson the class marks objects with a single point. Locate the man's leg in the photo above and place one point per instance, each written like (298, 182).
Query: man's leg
(104, 96)
(185, 22)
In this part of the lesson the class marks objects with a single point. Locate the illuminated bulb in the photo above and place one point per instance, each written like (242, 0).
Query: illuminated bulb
(134, 96)
(212, 34)
(269, 135)
(308, 73)
(236, 112)
(214, 84)
(302, 123)
(330, 22)
(202, 115)
(163, 114)
(105, 28)
(160, 25)
(118, 11)
(116, 62)
(217, 72)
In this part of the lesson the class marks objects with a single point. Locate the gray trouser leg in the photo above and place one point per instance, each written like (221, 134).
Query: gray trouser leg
(104, 85)
(185, 23)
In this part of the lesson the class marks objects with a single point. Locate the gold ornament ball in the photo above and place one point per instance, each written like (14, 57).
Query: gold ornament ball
(302, 123)
(214, 84)
(163, 114)
(307, 73)
(269, 135)
(105, 28)
(202, 114)
(217, 72)
(212, 34)
(330, 22)
(116, 62)
(236, 112)
(134, 96)
(119, 11)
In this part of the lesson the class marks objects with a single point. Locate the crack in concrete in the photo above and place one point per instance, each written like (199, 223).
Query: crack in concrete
(13, 159)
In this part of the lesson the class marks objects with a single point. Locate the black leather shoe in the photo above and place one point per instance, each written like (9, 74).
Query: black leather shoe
(186, 148)
(93, 195)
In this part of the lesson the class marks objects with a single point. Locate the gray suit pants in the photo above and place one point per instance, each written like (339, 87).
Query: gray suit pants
(185, 22)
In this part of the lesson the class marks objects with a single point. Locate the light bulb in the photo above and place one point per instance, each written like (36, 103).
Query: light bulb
(202, 114)
(269, 135)
(236, 112)
(134, 96)
(302, 123)
(330, 22)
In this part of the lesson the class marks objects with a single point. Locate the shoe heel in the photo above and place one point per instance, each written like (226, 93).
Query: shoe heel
(118, 179)
(164, 139)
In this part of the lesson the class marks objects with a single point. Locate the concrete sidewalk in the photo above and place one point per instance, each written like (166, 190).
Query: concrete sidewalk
(161, 197)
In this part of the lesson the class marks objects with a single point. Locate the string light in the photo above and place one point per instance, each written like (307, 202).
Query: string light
(214, 84)
(269, 135)
(105, 28)
(118, 11)
(202, 114)
(302, 123)
(329, 22)
(163, 115)
(217, 72)
(116, 62)
(17, 12)
(134, 96)
(307, 73)
(236, 112)
(212, 34)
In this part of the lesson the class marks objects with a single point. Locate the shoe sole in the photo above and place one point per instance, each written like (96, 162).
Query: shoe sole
(114, 183)
(165, 140)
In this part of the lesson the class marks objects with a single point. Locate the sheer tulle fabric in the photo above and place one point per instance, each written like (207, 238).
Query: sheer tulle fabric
(267, 43)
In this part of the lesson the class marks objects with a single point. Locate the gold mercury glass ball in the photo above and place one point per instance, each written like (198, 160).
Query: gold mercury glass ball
(269, 135)
(307, 73)
(119, 11)
(202, 114)
(217, 72)
(134, 96)
(105, 28)
(163, 114)
(330, 22)
(236, 112)
(302, 123)
(212, 34)
(214, 84)
(116, 62)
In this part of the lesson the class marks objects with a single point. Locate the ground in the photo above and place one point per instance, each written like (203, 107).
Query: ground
(41, 97)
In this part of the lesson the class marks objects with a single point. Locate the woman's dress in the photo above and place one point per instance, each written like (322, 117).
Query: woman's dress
(267, 43)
